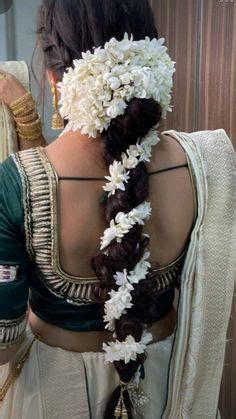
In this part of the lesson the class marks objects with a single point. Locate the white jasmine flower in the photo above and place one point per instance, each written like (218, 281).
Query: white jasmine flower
(116, 306)
(114, 82)
(140, 213)
(127, 350)
(125, 78)
(124, 222)
(129, 162)
(121, 278)
(140, 270)
(116, 108)
(118, 176)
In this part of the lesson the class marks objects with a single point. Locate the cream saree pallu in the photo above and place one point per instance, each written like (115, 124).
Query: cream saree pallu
(207, 280)
(8, 136)
(183, 372)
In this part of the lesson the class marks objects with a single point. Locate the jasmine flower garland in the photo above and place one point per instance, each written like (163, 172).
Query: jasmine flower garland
(141, 152)
(124, 222)
(100, 85)
(121, 299)
(127, 350)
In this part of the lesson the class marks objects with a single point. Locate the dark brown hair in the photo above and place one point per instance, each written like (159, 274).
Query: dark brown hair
(66, 28)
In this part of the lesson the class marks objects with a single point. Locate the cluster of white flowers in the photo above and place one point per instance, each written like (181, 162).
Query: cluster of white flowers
(127, 350)
(123, 222)
(121, 299)
(100, 85)
(141, 152)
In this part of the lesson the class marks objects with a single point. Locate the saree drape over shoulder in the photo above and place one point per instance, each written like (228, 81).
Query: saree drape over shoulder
(183, 372)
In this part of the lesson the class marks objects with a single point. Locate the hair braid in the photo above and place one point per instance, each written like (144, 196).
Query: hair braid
(140, 116)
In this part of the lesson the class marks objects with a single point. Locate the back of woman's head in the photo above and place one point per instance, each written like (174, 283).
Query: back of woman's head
(69, 27)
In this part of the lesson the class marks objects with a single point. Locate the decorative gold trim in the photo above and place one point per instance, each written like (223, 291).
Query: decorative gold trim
(39, 194)
(168, 276)
(11, 331)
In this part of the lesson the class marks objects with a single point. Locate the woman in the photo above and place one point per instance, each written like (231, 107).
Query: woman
(103, 224)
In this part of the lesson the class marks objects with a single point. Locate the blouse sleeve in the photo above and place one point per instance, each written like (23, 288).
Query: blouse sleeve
(14, 262)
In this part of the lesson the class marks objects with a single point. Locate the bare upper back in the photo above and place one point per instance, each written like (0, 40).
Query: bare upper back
(81, 218)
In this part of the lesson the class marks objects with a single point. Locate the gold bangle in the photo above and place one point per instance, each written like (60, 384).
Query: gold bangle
(20, 101)
(29, 124)
(22, 106)
(28, 118)
(30, 134)
(24, 110)
(31, 137)
(28, 131)
(32, 131)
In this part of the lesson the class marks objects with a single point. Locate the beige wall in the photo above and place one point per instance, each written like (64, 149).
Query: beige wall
(201, 37)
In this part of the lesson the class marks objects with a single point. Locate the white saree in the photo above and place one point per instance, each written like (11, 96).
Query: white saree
(8, 136)
(207, 280)
(183, 372)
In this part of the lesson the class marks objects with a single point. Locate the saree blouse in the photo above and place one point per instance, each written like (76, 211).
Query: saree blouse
(30, 270)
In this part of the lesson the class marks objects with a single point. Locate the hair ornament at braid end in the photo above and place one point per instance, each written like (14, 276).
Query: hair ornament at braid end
(120, 411)
(137, 397)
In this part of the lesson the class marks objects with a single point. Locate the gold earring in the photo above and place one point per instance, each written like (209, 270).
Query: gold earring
(57, 120)
(2, 76)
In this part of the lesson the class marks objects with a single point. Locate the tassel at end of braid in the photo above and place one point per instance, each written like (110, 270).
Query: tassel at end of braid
(120, 411)
(120, 405)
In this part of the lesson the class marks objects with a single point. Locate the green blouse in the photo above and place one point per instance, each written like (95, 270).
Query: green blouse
(30, 269)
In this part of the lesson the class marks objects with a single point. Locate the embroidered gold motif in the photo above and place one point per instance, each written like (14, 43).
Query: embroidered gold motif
(11, 331)
(39, 188)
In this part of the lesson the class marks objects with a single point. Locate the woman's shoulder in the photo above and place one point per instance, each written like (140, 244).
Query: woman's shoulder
(9, 173)
(166, 153)
(202, 138)
(11, 198)
(13, 166)
(210, 145)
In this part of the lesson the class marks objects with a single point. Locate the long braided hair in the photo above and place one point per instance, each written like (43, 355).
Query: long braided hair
(148, 306)
(66, 29)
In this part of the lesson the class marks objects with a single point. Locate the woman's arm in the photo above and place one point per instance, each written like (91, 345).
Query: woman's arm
(14, 264)
(25, 144)
(11, 90)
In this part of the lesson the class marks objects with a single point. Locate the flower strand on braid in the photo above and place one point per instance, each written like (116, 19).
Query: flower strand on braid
(122, 91)
(122, 264)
